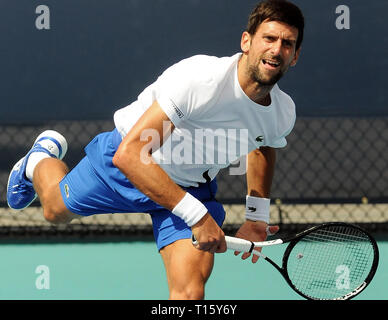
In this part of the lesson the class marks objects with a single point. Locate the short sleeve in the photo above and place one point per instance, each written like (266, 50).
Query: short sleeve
(279, 143)
(183, 88)
(286, 118)
(174, 113)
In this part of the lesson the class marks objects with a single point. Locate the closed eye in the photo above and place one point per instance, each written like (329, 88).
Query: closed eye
(269, 38)
(288, 43)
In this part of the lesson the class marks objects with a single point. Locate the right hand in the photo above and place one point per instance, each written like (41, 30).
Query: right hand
(209, 235)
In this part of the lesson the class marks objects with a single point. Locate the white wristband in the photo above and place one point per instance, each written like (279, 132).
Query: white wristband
(190, 209)
(257, 209)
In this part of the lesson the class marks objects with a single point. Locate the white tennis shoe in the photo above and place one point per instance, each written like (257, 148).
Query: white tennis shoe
(20, 190)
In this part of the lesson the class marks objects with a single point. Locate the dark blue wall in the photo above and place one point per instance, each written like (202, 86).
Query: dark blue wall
(99, 55)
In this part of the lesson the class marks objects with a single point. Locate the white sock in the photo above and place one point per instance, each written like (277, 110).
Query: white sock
(50, 146)
(33, 160)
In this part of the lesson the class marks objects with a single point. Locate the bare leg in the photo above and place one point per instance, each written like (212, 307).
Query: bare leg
(47, 175)
(187, 270)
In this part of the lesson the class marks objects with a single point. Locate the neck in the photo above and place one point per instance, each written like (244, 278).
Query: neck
(256, 92)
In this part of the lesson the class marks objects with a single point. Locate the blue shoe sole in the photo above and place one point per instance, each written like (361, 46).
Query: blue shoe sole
(18, 206)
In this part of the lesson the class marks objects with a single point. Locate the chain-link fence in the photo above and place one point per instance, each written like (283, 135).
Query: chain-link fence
(333, 169)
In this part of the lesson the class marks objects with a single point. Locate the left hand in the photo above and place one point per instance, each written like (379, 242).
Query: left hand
(254, 231)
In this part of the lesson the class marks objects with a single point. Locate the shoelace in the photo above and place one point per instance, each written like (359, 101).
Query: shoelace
(19, 187)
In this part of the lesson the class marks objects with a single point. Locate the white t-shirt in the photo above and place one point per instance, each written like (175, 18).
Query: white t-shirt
(215, 121)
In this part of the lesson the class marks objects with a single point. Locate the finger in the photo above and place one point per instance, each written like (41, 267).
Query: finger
(222, 246)
(255, 258)
(236, 253)
(245, 256)
(219, 246)
(213, 248)
(210, 246)
(271, 230)
(205, 246)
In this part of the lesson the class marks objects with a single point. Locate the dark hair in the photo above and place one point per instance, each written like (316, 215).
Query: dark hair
(277, 10)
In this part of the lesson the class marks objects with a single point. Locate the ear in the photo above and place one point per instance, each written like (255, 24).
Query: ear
(245, 42)
(296, 57)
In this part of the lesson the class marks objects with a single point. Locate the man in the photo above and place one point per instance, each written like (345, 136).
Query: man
(135, 168)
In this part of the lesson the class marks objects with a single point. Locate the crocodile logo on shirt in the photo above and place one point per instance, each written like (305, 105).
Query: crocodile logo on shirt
(66, 187)
(259, 139)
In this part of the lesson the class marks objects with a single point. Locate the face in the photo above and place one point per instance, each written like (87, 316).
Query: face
(270, 51)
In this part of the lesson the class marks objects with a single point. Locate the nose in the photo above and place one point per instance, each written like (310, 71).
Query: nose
(276, 47)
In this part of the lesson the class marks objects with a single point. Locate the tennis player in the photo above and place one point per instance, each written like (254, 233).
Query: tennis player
(139, 167)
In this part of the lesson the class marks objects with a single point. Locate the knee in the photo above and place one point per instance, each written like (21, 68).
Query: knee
(54, 209)
(188, 293)
(55, 216)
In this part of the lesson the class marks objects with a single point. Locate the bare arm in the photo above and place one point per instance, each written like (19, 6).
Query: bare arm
(260, 172)
(133, 158)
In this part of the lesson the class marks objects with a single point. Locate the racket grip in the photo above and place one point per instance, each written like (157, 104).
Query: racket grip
(232, 243)
(238, 244)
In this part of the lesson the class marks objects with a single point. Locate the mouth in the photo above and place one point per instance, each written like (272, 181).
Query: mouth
(270, 64)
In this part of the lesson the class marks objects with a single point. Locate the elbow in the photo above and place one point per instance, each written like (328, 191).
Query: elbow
(126, 158)
(121, 158)
(117, 159)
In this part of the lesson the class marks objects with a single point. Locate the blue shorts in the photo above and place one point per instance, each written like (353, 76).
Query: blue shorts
(96, 186)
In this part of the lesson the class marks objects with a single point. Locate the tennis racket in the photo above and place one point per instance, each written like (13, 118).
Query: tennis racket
(332, 261)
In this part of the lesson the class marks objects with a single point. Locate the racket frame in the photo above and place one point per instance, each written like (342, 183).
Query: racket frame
(292, 241)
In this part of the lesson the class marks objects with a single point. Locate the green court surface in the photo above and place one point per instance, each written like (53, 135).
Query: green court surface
(134, 270)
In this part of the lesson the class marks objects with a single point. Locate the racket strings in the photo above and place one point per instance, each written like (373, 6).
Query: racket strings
(334, 236)
(324, 267)
(330, 262)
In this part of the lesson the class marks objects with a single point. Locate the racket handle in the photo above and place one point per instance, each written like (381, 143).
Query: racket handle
(232, 243)
(242, 245)
(238, 244)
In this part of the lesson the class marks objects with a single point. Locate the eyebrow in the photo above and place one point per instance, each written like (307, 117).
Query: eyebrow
(274, 36)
